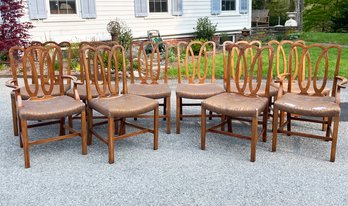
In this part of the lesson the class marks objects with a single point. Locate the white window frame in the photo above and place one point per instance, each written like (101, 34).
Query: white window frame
(231, 12)
(64, 17)
(167, 14)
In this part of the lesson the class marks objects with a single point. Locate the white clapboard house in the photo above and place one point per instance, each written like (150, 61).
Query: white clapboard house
(81, 20)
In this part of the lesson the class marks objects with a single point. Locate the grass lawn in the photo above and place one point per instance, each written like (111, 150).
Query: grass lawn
(310, 37)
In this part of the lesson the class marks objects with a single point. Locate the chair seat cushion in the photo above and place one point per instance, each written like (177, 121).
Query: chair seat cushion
(198, 91)
(55, 91)
(153, 91)
(296, 89)
(81, 89)
(233, 104)
(53, 108)
(273, 91)
(308, 105)
(123, 106)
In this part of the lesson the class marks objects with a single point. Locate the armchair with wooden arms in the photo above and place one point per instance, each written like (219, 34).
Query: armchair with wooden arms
(311, 101)
(46, 96)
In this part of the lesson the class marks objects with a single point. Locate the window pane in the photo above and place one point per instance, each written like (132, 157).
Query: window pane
(228, 5)
(158, 5)
(63, 6)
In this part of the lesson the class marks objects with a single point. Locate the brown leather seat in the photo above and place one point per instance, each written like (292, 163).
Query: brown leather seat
(54, 108)
(123, 106)
(308, 105)
(198, 91)
(233, 104)
(55, 92)
(154, 91)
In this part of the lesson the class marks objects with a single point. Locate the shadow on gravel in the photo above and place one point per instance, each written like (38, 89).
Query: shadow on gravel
(344, 111)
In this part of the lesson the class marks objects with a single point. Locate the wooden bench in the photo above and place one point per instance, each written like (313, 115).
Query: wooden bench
(260, 17)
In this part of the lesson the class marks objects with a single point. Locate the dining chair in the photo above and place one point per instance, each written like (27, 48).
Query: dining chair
(196, 78)
(112, 102)
(149, 74)
(17, 54)
(46, 98)
(311, 101)
(248, 98)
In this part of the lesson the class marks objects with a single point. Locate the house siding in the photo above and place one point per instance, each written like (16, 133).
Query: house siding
(75, 29)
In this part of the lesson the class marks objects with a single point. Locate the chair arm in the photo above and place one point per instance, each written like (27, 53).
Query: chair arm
(340, 85)
(12, 84)
(76, 82)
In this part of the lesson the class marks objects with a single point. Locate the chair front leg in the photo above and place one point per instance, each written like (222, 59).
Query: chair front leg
(111, 139)
(155, 129)
(165, 108)
(288, 117)
(275, 129)
(254, 123)
(203, 128)
(24, 136)
(83, 132)
(336, 120)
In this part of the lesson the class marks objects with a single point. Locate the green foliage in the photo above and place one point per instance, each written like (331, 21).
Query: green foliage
(340, 20)
(317, 15)
(120, 32)
(2, 66)
(319, 37)
(278, 9)
(293, 36)
(224, 37)
(205, 29)
(125, 38)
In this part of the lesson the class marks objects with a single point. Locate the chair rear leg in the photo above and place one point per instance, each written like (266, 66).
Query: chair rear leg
(111, 139)
(155, 129)
(24, 135)
(210, 115)
(275, 129)
(178, 115)
(70, 122)
(334, 138)
(123, 126)
(229, 124)
(83, 132)
(324, 125)
(288, 125)
(89, 125)
(181, 109)
(14, 115)
(61, 126)
(168, 114)
(203, 128)
(254, 123)
(165, 108)
(264, 124)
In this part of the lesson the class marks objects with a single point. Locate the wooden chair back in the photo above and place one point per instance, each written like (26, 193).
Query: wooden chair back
(43, 68)
(282, 52)
(256, 73)
(102, 65)
(235, 52)
(150, 61)
(315, 61)
(197, 67)
(91, 44)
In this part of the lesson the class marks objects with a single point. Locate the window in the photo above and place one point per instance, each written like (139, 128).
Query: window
(228, 5)
(63, 6)
(157, 6)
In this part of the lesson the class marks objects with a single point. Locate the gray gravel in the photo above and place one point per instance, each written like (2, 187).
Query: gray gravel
(178, 173)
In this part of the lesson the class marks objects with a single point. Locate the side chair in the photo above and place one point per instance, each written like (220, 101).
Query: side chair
(311, 100)
(248, 98)
(196, 78)
(150, 78)
(46, 96)
(112, 102)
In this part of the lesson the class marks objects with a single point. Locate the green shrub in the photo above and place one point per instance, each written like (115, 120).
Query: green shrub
(205, 29)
